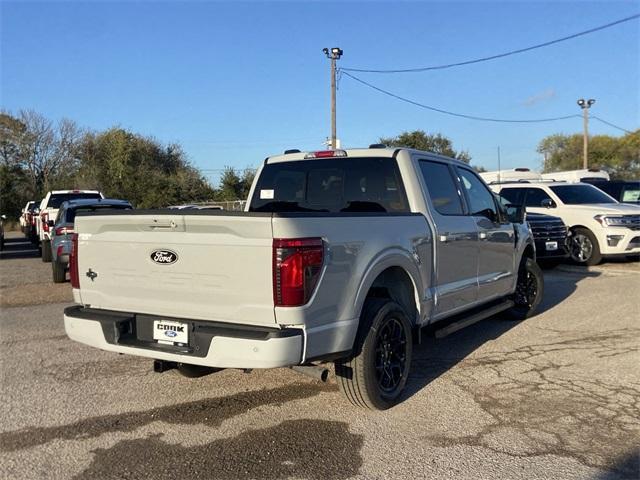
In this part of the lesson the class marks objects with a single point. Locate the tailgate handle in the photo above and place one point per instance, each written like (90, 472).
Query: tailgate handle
(158, 226)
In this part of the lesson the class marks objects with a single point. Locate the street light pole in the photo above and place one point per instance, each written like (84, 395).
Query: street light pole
(585, 105)
(333, 55)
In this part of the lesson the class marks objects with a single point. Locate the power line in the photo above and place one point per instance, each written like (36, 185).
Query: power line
(610, 124)
(500, 55)
(454, 114)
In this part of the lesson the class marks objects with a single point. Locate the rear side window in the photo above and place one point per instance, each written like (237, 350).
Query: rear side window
(535, 196)
(71, 212)
(514, 196)
(56, 199)
(330, 185)
(480, 198)
(442, 188)
(631, 193)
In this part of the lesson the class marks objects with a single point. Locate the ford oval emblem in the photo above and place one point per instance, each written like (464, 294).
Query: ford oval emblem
(170, 333)
(164, 257)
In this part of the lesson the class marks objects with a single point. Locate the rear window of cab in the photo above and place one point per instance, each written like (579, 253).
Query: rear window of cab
(331, 185)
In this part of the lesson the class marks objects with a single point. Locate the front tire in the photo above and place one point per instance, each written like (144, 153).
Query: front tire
(59, 272)
(529, 290)
(375, 375)
(585, 249)
(46, 251)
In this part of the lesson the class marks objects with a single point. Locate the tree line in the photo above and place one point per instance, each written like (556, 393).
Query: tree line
(38, 155)
(620, 156)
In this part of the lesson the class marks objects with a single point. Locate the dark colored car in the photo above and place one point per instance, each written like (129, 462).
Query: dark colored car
(551, 236)
(62, 229)
(624, 191)
(550, 233)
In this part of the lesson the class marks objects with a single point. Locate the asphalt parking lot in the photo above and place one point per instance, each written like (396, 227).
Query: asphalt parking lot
(556, 396)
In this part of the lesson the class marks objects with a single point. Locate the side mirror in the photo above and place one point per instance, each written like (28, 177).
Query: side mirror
(547, 203)
(489, 214)
(51, 223)
(515, 213)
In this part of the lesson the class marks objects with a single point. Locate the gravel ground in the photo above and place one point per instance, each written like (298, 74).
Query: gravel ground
(555, 397)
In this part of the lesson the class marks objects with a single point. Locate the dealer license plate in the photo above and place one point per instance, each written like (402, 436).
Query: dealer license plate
(165, 331)
(551, 245)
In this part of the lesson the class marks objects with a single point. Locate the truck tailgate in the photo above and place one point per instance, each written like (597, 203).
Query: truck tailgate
(210, 267)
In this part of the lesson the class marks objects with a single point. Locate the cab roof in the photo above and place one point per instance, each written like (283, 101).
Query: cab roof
(90, 202)
(384, 152)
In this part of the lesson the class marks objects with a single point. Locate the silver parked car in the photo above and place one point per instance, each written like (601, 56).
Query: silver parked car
(62, 229)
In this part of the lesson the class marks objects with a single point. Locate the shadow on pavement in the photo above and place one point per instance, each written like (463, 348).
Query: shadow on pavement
(435, 356)
(18, 248)
(313, 449)
(626, 467)
(300, 448)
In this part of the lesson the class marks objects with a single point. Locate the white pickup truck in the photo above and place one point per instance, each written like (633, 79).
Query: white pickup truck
(341, 256)
(49, 210)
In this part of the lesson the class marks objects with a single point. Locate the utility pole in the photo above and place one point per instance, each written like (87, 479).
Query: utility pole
(585, 105)
(498, 163)
(334, 54)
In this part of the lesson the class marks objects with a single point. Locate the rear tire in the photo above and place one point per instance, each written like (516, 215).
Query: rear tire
(46, 251)
(529, 291)
(585, 249)
(375, 375)
(59, 272)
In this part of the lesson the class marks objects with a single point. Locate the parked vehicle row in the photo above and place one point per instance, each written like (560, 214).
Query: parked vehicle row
(603, 216)
(62, 229)
(50, 223)
(600, 226)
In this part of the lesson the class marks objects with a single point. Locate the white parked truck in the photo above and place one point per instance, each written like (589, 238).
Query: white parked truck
(49, 210)
(340, 256)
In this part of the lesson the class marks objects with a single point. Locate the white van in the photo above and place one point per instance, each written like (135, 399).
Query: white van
(511, 175)
(584, 175)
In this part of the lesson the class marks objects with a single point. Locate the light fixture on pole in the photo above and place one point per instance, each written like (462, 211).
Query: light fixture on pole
(333, 54)
(585, 105)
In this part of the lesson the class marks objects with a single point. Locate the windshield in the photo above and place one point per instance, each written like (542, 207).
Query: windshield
(581, 194)
(330, 185)
(56, 199)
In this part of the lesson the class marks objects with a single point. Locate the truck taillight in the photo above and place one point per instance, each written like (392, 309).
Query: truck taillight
(73, 262)
(64, 230)
(44, 216)
(297, 263)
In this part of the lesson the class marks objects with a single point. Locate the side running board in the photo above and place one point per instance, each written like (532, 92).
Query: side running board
(474, 318)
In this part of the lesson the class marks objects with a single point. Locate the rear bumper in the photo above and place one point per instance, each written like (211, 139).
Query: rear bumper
(210, 344)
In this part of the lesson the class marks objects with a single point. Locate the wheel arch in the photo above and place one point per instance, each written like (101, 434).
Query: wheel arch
(396, 277)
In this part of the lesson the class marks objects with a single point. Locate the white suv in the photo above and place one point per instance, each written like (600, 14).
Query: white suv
(49, 210)
(600, 225)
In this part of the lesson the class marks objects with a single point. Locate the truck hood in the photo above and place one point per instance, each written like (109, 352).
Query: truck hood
(605, 208)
